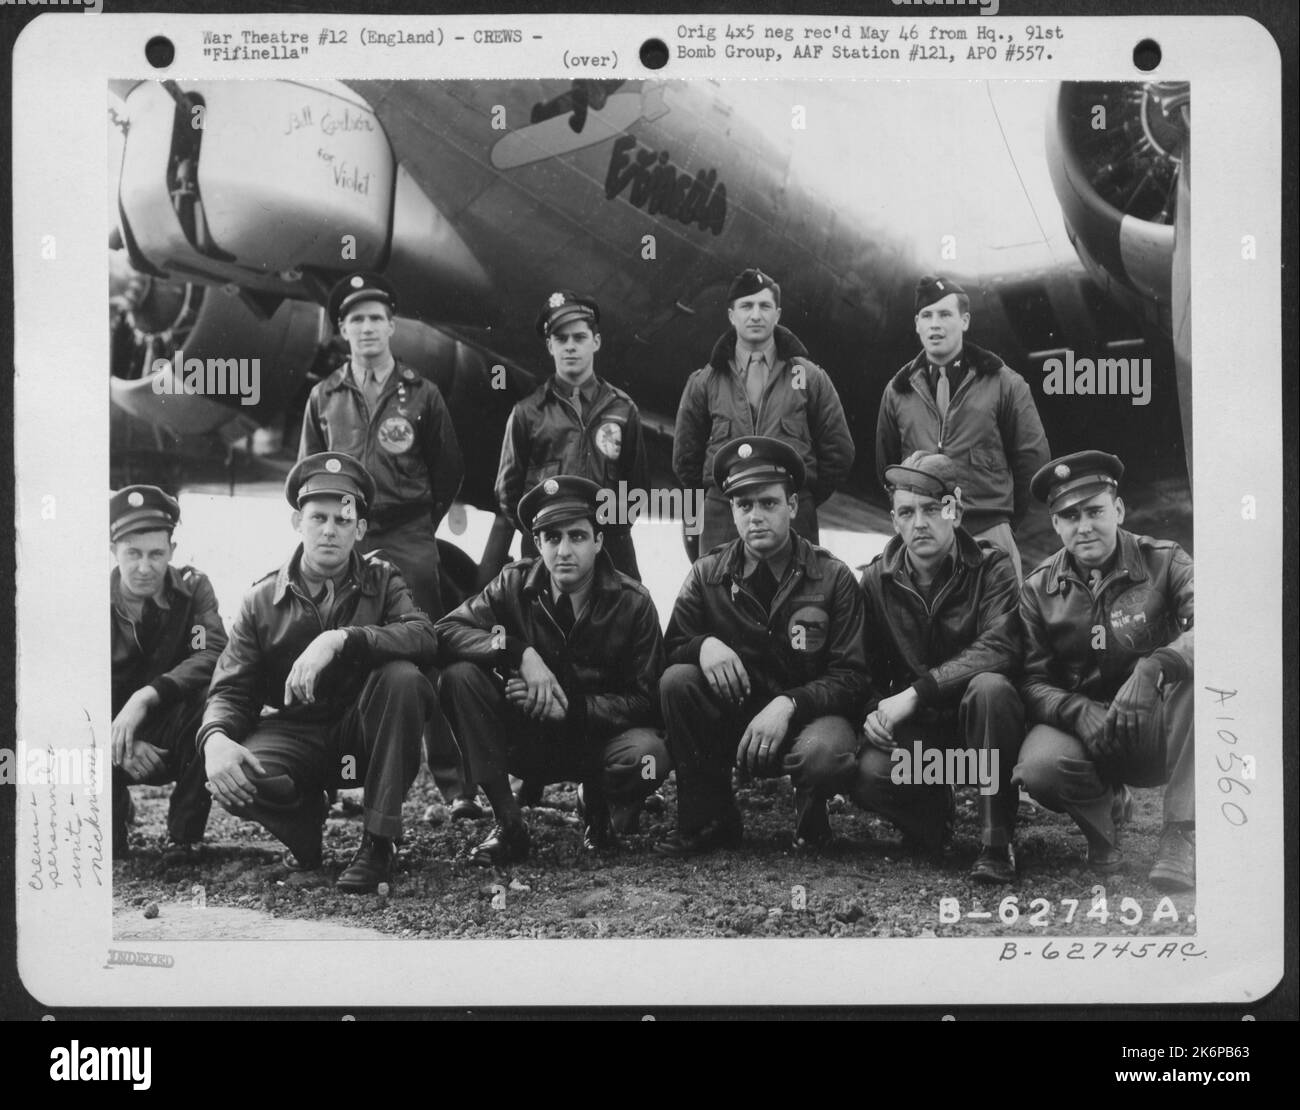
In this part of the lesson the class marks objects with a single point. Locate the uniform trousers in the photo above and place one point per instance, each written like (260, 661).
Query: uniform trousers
(1060, 773)
(172, 730)
(990, 718)
(375, 744)
(413, 548)
(498, 740)
(704, 733)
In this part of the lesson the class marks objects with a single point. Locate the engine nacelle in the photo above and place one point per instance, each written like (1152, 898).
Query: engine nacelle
(1115, 153)
(279, 188)
(191, 358)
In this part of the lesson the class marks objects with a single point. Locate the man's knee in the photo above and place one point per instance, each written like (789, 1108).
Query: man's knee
(872, 783)
(400, 678)
(636, 762)
(1038, 769)
(460, 678)
(990, 688)
(823, 755)
(681, 680)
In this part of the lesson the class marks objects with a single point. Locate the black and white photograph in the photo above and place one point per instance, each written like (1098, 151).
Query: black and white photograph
(749, 504)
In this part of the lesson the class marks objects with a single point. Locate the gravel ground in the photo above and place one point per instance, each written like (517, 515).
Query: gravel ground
(865, 884)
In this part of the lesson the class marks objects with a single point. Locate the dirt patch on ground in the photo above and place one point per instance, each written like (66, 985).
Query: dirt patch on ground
(865, 884)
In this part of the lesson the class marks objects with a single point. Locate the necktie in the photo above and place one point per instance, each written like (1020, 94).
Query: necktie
(325, 601)
(371, 388)
(755, 380)
(1094, 580)
(577, 403)
(763, 584)
(941, 394)
(564, 613)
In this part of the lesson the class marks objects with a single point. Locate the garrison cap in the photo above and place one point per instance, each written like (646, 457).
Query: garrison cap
(559, 499)
(931, 475)
(930, 289)
(330, 474)
(563, 307)
(141, 509)
(756, 461)
(1065, 482)
(751, 281)
(361, 286)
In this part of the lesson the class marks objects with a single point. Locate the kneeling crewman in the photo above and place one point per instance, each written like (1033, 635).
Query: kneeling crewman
(766, 668)
(333, 643)
(552, 675)
(1108, 669)
(167, 635)
(942, 644)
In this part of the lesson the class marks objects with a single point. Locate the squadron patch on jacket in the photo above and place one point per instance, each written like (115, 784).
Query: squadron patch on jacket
(1129, 622)
(609, 439)
(396, 435)
(808, 627)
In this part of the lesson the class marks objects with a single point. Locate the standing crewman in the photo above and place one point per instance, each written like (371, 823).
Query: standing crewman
(394, 421)
(167, 635)
(574, 423)
(759, 382)
(551, 673)
(959, 400)
(766, 669)
(1108, 670)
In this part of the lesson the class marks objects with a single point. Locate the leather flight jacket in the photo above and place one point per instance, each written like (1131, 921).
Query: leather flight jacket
(277, 622)
(970, 626)
(190, 637)
(1081, 646)
(408, 444)
(807, 647)
(608, 665)
(799, 406)
(545, 437)
(991, 430)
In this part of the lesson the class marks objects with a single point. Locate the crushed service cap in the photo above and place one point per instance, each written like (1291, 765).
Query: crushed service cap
(930, 475)
(756, 461)
(141, 509)
(930, 289)
(1071, 479)
(557, 500)
(564, 306)
(751, 281)
(361, 286)
(330, 474)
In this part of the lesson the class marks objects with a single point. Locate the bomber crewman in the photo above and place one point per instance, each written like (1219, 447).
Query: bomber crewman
(550, 674)
(333, 643)
(574, 423)
(766, 667)
(943, 645)
(959, 400)
(759, 382)
(1108, 669)
(395, 422)
(167, 635)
